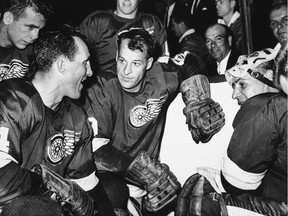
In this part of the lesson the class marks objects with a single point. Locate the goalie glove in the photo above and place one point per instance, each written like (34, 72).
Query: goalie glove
(198, 198)
(157, 179)
(79, 202)
(203, 116)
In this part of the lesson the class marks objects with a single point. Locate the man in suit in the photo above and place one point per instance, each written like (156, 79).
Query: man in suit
(219, 41)
(203, 12)
(189, 39)
(229, 15)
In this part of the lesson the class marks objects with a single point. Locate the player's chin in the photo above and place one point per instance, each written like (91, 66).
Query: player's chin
(21, 45)
(283, 38)
(77, 93)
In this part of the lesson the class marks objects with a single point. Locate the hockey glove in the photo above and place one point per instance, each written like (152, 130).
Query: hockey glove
(157, 179)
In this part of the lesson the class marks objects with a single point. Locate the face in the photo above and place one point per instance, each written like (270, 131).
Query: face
(25, 29)
(283, 80)
(127, 8)
(217, 43)
(247, 87)
(223, 7)
(78, 70)
(176, 28)
(278, 24)
(131, 67)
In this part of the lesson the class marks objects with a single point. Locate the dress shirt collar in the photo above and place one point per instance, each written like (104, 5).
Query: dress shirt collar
(222, 65)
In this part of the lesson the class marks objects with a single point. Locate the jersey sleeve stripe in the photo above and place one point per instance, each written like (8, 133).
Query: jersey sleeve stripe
(6, 159)
(238, 177)
(87, 183)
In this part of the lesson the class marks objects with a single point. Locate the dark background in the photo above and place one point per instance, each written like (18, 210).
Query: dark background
(74, 11)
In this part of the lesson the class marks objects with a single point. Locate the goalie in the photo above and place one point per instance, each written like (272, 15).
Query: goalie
(128, 103)
(253, 175)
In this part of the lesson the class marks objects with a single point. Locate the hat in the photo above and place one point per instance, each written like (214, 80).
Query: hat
(246, 63)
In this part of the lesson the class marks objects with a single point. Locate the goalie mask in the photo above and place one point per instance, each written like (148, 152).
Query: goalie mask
(246, 63)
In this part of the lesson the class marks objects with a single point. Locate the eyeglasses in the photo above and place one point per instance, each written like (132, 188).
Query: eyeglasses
(217, 40)
(283, 21)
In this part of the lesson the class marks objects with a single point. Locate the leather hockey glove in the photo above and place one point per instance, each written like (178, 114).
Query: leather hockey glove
(157, 179)
(198, 198)
(68, 192)
(203, 116)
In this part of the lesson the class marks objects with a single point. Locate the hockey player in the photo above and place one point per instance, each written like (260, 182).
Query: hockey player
(102, 27)
(129, 102)
(254, 172)
(44, 131)
(20, 24)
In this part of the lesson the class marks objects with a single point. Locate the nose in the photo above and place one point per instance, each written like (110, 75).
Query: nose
(89, 70)
(127, 69)
(235, 93)
(213, 43)
(280, 24)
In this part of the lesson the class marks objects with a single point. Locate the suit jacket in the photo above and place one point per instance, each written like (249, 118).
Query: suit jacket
(215, 78)
(204, 15)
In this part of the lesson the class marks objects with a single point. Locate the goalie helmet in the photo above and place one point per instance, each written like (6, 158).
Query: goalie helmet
(246, 63)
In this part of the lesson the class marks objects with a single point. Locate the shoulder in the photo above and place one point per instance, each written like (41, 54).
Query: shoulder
(106, 83)
(20, 96)
(150, 19)
(99, 14)
(233, 58)
(269, 105)
(97, 17)
(17, 88)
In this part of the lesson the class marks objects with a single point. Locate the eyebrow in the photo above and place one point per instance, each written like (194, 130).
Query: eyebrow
(32, 25)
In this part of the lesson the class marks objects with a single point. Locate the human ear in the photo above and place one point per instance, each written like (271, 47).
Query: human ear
(8, 18)
(149, 64)
(230, 40)
(61, 64)
(269, 74)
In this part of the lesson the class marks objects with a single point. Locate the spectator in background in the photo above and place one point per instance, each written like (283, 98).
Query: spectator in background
(279, 23)
(281, 69)
(102, 27)
(182, 25)
(21, 21)
(226, 10)
(219, 41)
(202, 11)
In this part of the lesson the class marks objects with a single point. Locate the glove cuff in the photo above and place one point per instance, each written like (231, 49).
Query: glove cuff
(195, 89)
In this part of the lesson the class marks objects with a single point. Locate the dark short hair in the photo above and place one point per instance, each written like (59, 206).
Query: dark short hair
(184, 16)
(227, 30)
(17, 7)
(49, 46)
(139, 39)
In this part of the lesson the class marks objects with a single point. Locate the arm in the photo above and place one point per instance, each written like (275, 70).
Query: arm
(203, 116)
(198, 197)
(258, 149)
(16, 126)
